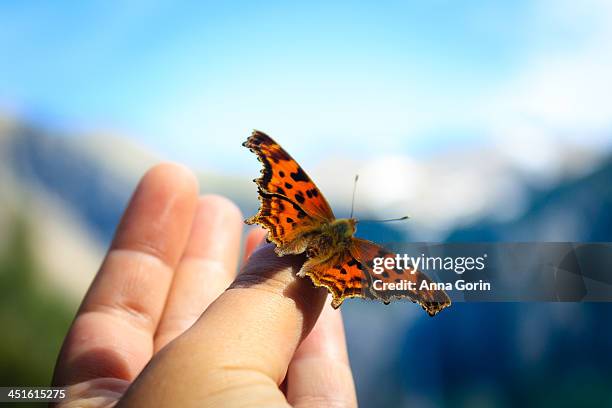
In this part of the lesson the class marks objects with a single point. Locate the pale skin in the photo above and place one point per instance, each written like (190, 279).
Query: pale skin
(158, 327)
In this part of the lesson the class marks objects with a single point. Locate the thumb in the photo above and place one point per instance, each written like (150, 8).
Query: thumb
(242, 344)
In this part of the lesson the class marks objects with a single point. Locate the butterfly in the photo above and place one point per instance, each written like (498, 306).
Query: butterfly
(299, 220)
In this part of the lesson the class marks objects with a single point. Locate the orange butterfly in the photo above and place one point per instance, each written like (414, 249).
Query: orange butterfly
(299, 219)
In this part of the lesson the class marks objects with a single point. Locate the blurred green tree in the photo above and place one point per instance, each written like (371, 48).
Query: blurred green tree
(33, 318)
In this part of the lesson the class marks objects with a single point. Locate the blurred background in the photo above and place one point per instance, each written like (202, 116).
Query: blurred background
(484, 121)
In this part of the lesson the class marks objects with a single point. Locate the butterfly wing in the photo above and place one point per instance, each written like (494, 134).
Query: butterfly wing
(293, 210)
(432, 301)
(292, 207)
(342, 274)
(289, 227)
(283, 176)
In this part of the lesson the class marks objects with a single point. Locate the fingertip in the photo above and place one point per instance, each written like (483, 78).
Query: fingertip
(219, 204)
(255, 238)
(217, 221)
(258, 235)
(277, 276)
(160, 213)
(264, 262)
(173, 175)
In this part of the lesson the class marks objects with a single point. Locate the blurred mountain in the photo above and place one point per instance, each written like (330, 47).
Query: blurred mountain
(574, 210)
(75, 188)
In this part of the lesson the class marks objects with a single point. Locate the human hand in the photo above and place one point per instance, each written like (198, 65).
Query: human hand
(158, 328)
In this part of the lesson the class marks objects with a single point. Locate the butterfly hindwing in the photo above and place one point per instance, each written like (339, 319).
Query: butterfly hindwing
(342, 274)
(432, 301)
(282, 175)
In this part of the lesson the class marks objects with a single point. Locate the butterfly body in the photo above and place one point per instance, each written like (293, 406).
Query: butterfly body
(331, 236)
(343, 228)
(299, 220)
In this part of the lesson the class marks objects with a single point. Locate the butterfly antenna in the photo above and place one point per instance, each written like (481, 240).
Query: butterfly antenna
(405, 217)
(353, 200)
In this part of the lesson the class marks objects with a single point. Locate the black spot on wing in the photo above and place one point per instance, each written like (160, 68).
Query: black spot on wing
(299, 175)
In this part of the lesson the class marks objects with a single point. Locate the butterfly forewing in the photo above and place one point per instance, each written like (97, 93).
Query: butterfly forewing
(287, 224)
(283, 175)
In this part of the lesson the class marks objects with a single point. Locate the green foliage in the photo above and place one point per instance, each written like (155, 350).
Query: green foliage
(33, 321)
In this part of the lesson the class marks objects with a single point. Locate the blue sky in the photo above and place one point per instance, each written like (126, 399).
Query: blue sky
(191, 79)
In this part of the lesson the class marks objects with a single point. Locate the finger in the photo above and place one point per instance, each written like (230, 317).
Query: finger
(320, 374)
(112, 335)
(100, 392)
(207, 268)
(255, 238)
(240, 348)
